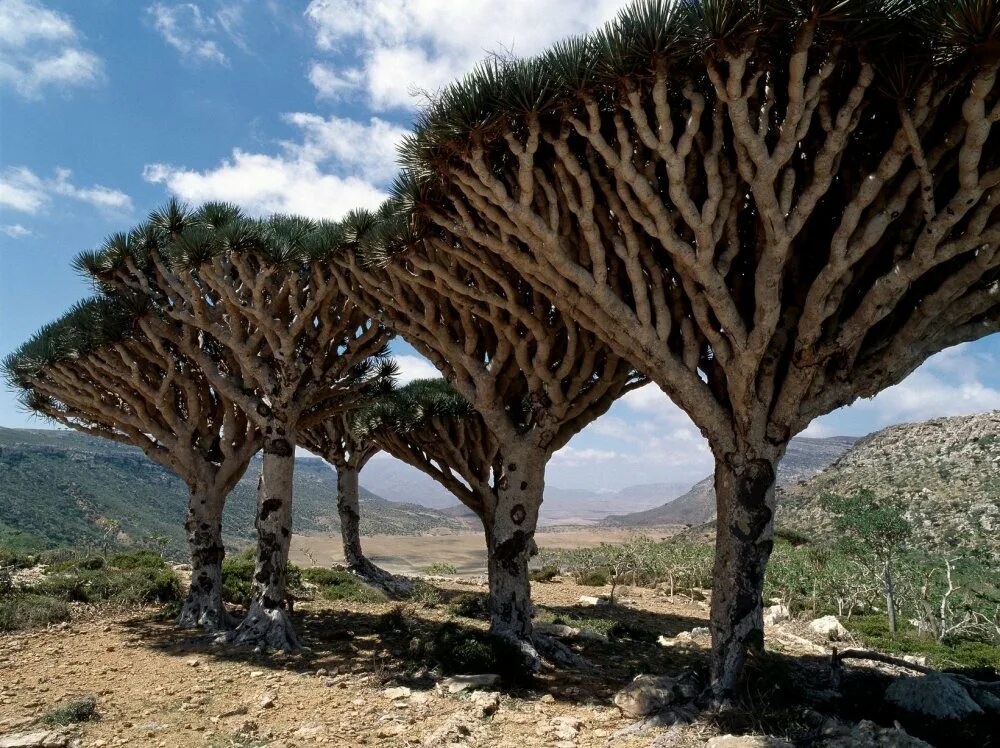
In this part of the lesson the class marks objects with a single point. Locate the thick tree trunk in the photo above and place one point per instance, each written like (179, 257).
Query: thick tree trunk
(203, 607)
(510, 542)
(348, 495)
(744, 490)
(267, 624)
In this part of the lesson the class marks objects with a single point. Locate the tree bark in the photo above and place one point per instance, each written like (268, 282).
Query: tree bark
(204, 607)
(348, 499)
(267, 625)
(510, 542)
(744, 490)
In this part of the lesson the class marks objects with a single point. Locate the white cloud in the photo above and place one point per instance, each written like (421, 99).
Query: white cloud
(408, 45)
(24, 191)
(414, 367)
(575, 457)
(193, 33)
(331, 84)
(337, 166)
(40, 48)
(15, 231)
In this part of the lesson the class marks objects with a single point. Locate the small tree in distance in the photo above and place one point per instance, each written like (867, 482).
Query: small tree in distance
(874, 530)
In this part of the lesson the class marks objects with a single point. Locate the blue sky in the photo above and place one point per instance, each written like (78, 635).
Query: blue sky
(107, 108)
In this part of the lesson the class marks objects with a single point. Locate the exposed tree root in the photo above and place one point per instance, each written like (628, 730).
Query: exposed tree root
(207, 613)
(559, 654)
(376, 576)
(266, 629)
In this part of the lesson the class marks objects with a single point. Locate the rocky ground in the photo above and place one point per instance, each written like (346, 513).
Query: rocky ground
(362, 685)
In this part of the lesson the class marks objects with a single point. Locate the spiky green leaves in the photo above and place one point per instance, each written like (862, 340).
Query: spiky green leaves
(903, 37)
(89, 324)
(410, 408)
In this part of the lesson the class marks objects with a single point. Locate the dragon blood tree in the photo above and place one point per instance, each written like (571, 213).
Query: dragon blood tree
(107, 369)
(338, 441)
(533, 375)
(769, 207)
(266, 323)
(427, 425)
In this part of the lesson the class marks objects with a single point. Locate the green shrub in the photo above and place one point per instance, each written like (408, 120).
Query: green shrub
(143, 559)
(545, 574)
(425, 594)
(593, 577)
(470, 605)
(13, 559)
(469, 651)
(82, 710)
(874, 632)
(135, 587)
(24, 610)
(335, 584)
(441, 569)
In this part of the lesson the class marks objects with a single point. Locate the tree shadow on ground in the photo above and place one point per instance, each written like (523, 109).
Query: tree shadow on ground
(783, 695)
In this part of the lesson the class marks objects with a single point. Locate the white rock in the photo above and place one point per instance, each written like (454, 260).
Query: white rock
(400, 692)
(646, 694)
(829, 628)
(267, 701)
(776, 614)
(40, 739)
(487, 701)
(933, 695)
(592, 600)
(457, 683)
(566, 728)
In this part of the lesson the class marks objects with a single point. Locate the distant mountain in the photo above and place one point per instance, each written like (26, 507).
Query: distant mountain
(398, 481)
(804, 458)
(59, 487)
(946, 473)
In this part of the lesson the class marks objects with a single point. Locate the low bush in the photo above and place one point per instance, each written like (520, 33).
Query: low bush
(335, 584)
(544, 574)
(133, 587)
(592, 577)
(82, 710)
(86, 562)
(440, 568)
(470, 605)
(469, 651)
(425, 594)
(143, 559)
(25, 610)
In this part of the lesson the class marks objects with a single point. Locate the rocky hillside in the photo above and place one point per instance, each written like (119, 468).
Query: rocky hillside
(59, 487)
(805, 457)
(946, 472)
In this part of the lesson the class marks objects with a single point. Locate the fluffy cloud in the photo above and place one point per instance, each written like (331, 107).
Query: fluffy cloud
(40, 49)
(411, 45)
(24, 191)
(195, 33)
(336, 166)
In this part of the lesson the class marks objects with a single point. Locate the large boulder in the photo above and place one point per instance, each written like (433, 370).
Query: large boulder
(829, 628)
(648, 694)
(932, 695)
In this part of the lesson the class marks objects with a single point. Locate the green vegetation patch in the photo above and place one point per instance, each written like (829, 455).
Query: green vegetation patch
(24, 610)
(958, 653)
(470, 605)
(335, 584)
(82, 710)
